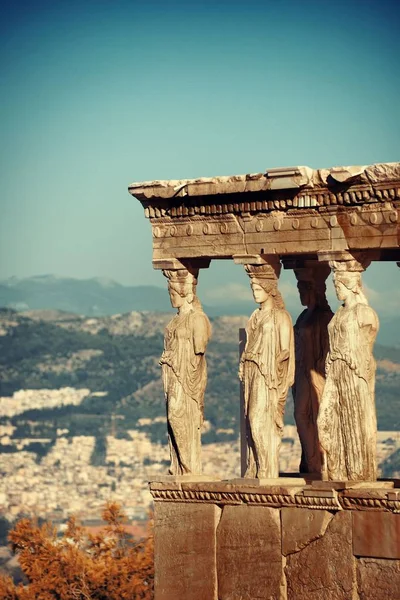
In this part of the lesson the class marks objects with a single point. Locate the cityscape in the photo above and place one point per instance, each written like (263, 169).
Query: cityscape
(64, 482)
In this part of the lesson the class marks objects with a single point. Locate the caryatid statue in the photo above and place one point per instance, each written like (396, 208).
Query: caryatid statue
(347, 416)
(184, 372)
(311, 345)
(266, 371)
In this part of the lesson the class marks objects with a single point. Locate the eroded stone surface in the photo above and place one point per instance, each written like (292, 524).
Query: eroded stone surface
(325, 568)
(300, 526)
(185, 546)
(249, 560)
(282, 212)
(376, 534)
(347, 415)
(280, 178)
(184, 371)
(378, 579)
(312, 344)
(266, 370)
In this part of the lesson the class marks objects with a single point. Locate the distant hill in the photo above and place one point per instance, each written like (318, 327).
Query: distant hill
(119, 355)
(95, 297)
(98, 297)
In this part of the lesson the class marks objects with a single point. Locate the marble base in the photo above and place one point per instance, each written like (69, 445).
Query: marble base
(184, 478)
(276, 538)
(278, 481)
(352, 485)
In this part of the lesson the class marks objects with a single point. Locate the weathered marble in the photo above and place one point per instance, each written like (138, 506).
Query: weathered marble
(284, 211)
(378, 579)
(266, 371)
(277, 540)
(378, 537)
(184, 551)
(185, 372)
(301, 526)
(326, 567)
(249, 560)
(347, 416)
(284, 542)
(311, 343)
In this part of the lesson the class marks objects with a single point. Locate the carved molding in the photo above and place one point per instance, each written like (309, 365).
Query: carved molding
(277, 188)
(272, 500)
(224, 224)
(353, 503)
(205, 207)
(308, 498)
(289, 211)
(295, 232)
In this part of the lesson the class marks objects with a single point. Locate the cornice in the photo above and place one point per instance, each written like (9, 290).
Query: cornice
(279, 497)
(277, 189)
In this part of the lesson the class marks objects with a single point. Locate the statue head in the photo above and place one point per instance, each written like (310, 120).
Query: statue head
(181, 286)
(311, 285)
(306, 292)
(347, 281)
(264, 282)
(347, 284)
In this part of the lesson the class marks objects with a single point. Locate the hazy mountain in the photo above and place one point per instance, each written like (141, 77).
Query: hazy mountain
(97, 296)
(102, 297)
(119, 355)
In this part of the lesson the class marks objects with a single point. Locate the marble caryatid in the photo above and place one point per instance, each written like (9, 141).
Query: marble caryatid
(347, 416)
(266, 371)
(185, 372)
(311, 344)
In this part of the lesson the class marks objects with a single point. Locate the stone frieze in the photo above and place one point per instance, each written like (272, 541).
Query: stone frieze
(226, 493)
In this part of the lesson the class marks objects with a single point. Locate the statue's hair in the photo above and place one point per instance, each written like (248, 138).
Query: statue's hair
(181, 275)
(352, 281)
(271, 287)
(265, 271)
(319, 287)
(183, 289)
(182, 281)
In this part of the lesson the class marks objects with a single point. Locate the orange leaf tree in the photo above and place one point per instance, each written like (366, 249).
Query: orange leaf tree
(79, 565)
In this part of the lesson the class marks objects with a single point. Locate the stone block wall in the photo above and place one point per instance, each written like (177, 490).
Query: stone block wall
(230, 541)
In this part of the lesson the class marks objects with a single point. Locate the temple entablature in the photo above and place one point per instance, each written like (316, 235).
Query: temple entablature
(293, 212)
(317, 223)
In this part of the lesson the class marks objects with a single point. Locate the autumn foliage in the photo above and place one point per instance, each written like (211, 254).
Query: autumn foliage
(80, 565)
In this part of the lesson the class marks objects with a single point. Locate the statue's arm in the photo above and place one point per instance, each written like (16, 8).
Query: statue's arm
(285, 336)
(369, 325)
(285, 365)
(367, 317)
(201, 333)
(324, 343)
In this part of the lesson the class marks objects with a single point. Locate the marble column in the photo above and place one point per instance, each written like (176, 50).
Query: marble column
(266, 370)
(311, 344)
(184, 371)
(347, 416)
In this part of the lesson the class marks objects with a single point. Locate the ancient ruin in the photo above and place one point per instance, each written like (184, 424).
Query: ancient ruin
(184, 372)
(265, 535)
(266, 371)
(311, 349)
(347, 416)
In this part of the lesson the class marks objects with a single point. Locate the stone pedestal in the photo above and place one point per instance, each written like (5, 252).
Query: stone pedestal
(185, 550)
(229, 541)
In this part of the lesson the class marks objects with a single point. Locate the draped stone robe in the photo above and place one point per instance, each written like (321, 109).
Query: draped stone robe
(266, 378)
(311, 344)
(185, 378)
(347, 416)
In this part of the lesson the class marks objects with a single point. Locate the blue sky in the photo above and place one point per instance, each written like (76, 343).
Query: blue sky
(97, 94)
